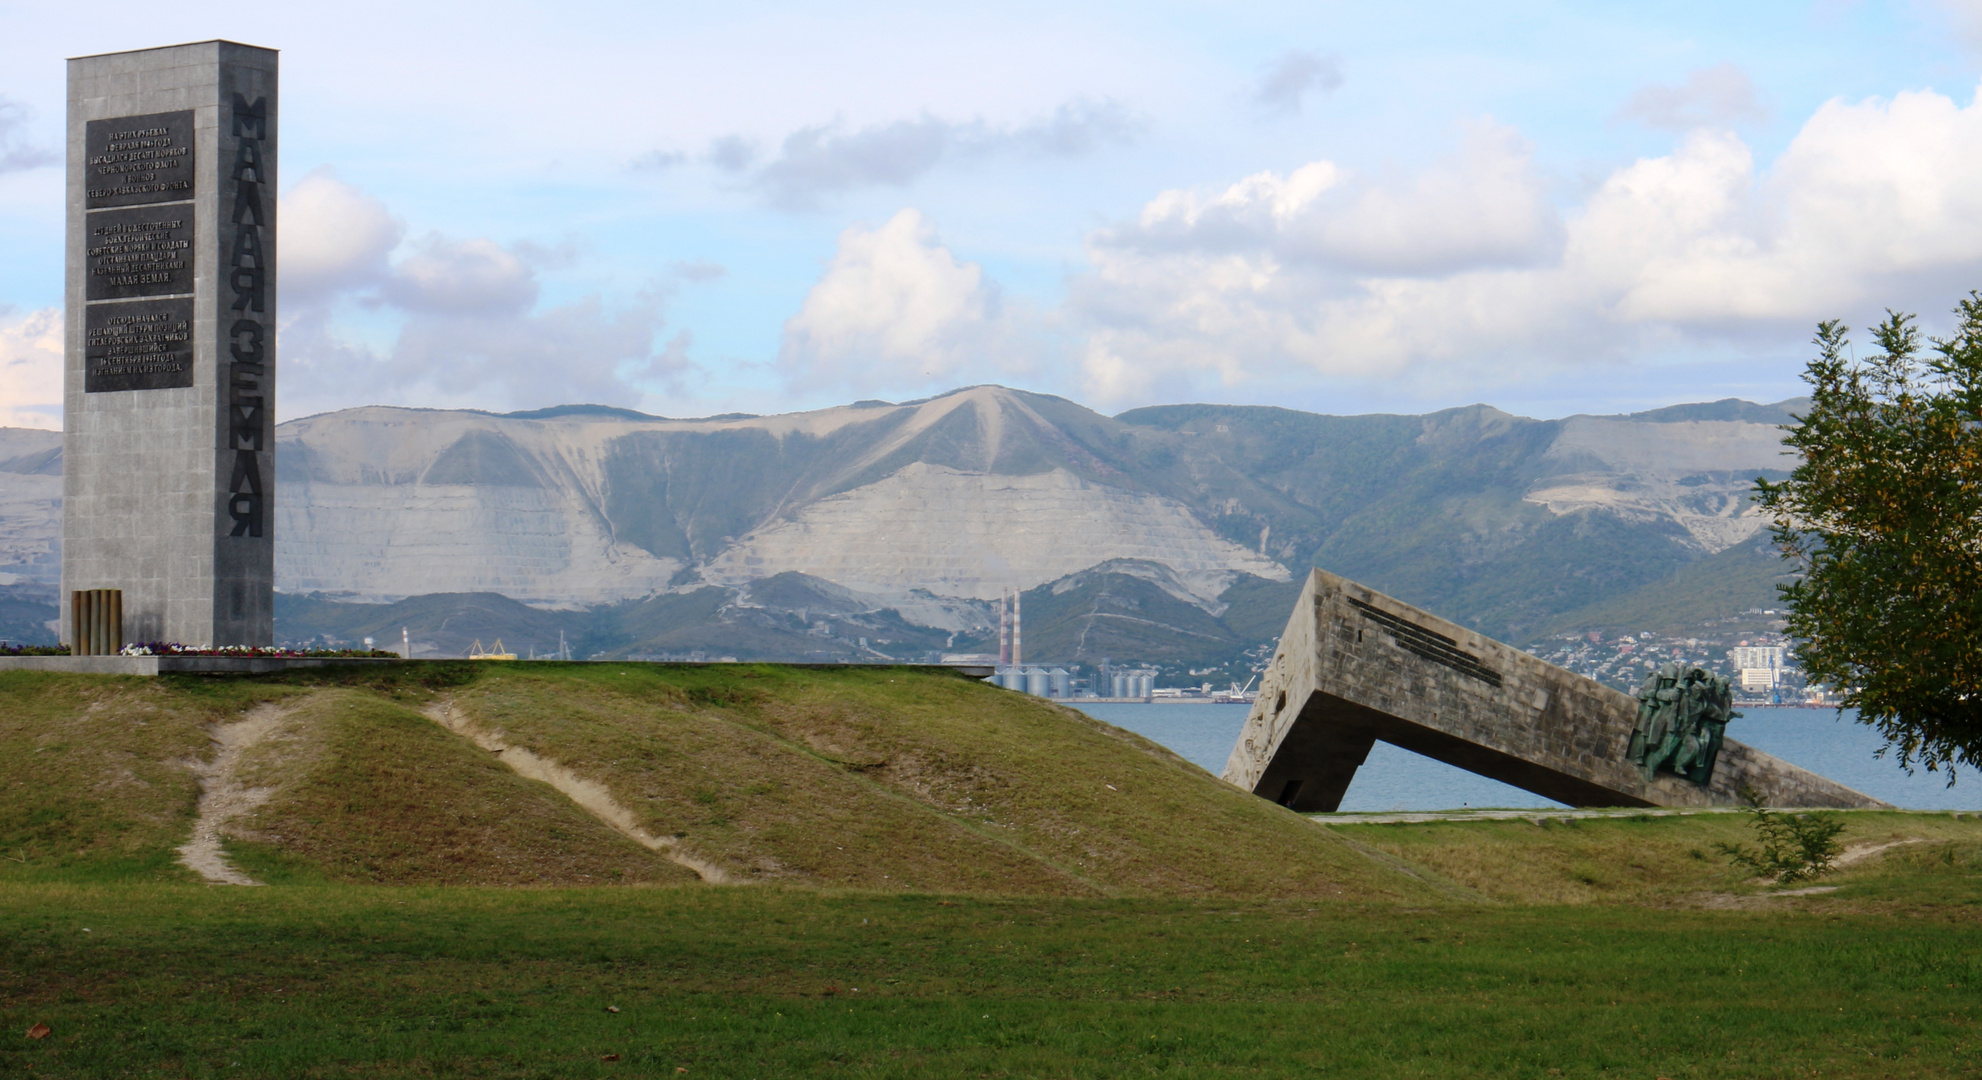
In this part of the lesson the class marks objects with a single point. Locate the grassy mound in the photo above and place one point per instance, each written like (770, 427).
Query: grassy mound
(368, 790)
(872, 779)
(892, 779)
(1168, 925)
(95, 773)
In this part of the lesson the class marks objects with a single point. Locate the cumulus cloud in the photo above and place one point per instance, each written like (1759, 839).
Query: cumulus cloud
(583, 351)
(896, 309)
(1484, 206)
(1718, 96)
(1873, 203)
(16, 152)
(334, 238)
(697, 270)
(470, 329)
(1966, 18)
(1293, 76)
(659, 160)
(471, 277)
(823, 159)
(732, 153)
(31, 369)
(574, 352)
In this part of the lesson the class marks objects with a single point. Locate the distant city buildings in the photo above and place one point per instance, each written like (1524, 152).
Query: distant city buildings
(1108, 683)
(1761, 666)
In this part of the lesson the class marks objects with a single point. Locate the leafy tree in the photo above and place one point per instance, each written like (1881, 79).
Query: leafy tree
(1884, 516)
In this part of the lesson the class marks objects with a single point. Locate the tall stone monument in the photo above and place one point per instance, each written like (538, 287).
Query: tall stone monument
(168, 467)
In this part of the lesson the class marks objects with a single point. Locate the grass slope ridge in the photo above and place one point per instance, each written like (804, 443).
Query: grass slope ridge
(92, 773)
(883, 779)
(891, 779)
(367, 790)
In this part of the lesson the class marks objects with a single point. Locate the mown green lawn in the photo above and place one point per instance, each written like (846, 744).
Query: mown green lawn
(1877, 979)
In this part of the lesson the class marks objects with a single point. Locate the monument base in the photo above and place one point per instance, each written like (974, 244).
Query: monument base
(181, 665)
(270, 665)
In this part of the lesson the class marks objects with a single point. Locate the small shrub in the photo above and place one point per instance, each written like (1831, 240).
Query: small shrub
(1793, 847)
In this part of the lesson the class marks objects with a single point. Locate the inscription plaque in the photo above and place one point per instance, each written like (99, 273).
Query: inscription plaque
(142, 251)
(133, 160)
(139, 345)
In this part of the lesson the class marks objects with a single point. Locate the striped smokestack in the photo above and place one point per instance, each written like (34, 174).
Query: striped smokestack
(1004, 627)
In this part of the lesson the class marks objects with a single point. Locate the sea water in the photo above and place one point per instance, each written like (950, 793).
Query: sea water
(1397, 779)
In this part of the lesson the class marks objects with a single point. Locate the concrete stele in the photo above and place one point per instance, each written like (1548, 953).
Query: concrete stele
(169, 372)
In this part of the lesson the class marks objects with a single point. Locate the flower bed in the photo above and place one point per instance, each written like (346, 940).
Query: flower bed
(173, 648)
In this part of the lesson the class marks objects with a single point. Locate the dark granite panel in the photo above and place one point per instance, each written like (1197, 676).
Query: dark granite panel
(135, 160)
(139, 251)
(138, 345)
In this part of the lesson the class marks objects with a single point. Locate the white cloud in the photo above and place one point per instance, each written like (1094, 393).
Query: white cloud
(1878, 202)
(820, 160)
(577, 352)
(1292, 77)
(1718, 96)
(462, 277)
(1966, 18)
(1873, 203)
(468, 328)
(581, 352)
(1484, 207)
(896, 309)
(31, 369)
(334, 237)
(16, 152)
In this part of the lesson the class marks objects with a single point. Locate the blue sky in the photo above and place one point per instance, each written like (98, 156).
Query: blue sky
(1339, 207)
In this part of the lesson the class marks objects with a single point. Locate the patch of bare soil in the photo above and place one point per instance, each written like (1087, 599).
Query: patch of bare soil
(1858, 853)
(223, 798)
(590, 795)
(1852, 856)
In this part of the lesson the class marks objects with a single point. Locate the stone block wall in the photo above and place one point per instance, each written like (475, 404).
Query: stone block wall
(1355, 666)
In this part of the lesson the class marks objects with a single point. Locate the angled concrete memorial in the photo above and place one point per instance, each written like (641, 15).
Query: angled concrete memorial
(168, 453)
(1355, 666)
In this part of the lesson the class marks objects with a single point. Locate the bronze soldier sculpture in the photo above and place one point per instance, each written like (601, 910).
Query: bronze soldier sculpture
(1682, 722)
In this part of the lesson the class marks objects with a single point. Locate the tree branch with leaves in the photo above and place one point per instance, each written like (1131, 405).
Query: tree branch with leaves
(1884, 518)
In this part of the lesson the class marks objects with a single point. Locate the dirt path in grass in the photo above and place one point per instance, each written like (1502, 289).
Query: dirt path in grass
(1858, 853)
(590, 795)
(222, 799)
(1851, 856)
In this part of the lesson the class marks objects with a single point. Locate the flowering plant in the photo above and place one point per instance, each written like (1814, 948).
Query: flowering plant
(173, 648)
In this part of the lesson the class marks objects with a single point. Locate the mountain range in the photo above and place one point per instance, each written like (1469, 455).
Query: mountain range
(1173, 535)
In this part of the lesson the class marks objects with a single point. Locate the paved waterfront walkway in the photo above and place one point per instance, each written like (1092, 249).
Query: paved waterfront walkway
(1413, 817)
